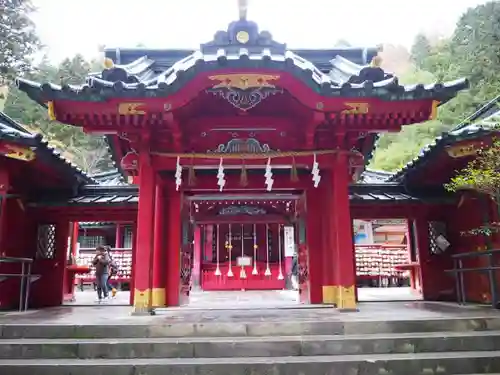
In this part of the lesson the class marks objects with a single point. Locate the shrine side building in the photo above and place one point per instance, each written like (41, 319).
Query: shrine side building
(223, 152)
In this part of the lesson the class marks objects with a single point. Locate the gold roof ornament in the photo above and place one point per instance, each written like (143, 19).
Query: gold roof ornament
(376, 61)
(108, 63)
(243, 9)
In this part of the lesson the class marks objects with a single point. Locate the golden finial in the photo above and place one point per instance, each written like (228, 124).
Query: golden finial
(108, 63)
(376, 61)
(243, 9)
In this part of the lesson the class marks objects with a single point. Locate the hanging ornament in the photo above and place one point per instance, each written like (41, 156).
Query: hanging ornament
(293, 172)
(269, 176)
(243, 274)
(315, 172)
(268, 269)
(280, 275)
(191, 174)
(230, 248)
(244, 175)
(178, 174)
(221, 181)
(217, 269)
(255, 271)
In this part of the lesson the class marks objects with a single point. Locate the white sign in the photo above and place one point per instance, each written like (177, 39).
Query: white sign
(244, 261)
(289, 235)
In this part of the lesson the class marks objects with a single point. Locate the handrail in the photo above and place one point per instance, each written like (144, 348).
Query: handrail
(25, 276)
(474, 254)
(458, 271)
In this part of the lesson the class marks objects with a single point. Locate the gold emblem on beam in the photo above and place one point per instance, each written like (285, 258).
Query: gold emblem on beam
(19, 153)
(356, 109)
(244, 81)
(131, 109)
(460, 151)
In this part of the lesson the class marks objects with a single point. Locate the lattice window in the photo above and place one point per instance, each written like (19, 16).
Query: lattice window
(127, 238)
(88, 242)
(438, 243)
(46, 243)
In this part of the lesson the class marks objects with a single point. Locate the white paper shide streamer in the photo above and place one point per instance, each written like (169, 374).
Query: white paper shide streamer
(269, 176)
(221, 180)
(315, 172)
(178, 174)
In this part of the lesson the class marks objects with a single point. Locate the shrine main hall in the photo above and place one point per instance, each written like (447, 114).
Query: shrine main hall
(232, 162)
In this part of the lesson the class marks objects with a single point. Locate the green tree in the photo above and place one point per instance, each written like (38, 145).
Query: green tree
(420, 50)
(18, 38)
(89, 152)
(481, 175)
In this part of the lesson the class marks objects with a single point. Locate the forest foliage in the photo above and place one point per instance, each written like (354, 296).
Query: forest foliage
(473, 51)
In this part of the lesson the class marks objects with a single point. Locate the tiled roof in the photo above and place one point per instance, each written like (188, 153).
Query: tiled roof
(486, 122)
(149, 76)
(110, 178)
(11, 131)
(96, 195)
(370, 176)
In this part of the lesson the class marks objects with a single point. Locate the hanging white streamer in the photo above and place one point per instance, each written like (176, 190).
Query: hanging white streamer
(178, 174)
(315, 172)
(269, 176)
(221, 181)
(268, 269)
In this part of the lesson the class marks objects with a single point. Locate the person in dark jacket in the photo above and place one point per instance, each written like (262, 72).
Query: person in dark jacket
(113, 270)
(101, 263)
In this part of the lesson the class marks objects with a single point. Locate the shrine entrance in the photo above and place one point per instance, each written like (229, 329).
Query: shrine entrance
(245, 249)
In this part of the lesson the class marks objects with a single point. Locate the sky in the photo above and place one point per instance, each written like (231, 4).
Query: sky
(68, 27)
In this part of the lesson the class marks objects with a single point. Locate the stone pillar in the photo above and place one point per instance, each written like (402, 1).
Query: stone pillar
(159, 259)
(341, 236)
(144, 239)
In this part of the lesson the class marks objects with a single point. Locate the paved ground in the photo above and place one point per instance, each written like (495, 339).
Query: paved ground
(262, 299)
(243, 307)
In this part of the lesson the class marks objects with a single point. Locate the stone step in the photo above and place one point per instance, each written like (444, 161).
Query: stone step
(223, 347)
(156, 328)
(376, 364)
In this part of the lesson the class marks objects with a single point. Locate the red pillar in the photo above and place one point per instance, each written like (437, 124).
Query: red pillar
(173, 229)
(197, 255)
(343, 246)
(327, 249)
(134, 259)
(119, 236)
(159, 259)
(144, 239)
(314, 244)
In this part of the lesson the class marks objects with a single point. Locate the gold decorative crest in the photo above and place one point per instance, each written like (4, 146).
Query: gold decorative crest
(243, 81)
(131, 109)
(356, 108)
(463, 150)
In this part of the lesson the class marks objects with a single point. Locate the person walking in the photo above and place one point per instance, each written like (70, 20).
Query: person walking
(101, 263)
(113, 270)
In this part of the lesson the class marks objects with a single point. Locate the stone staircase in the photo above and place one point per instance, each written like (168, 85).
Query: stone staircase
(441, 346)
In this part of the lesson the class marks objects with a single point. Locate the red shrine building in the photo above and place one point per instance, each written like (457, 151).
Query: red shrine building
(231, 159)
